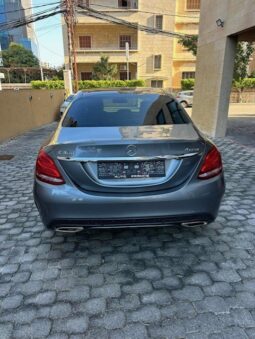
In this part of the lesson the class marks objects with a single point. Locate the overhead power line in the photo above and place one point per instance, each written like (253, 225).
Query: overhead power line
(148, 12)
(31, 18)
(32, 7)
(112, 19)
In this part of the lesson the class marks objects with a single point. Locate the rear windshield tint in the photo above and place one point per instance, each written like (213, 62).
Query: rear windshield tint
(124, 109)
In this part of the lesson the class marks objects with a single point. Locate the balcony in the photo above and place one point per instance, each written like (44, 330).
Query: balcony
(184, 56)
(110, 5)
(115, 55)
(93, 41)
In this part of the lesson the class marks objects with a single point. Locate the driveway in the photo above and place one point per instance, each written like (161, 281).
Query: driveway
(158, 283)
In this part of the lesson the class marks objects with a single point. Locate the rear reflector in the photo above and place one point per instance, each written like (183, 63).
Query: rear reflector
(212, 165)
(46, 170)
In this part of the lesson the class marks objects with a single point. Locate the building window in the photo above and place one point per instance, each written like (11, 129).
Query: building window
(123, 76)
(130, 4)
(86, 75)
(159, 21)
(84, 3)
(188, 75)
(157, 83)
(123, 40)
(124, 3)
(193, 5)
(85, 41)
(157, 61)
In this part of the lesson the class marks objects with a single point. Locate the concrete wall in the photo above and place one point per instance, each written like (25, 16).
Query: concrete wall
(23, 110)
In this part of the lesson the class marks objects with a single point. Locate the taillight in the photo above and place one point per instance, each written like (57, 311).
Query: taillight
(212, 165)
(46, 170)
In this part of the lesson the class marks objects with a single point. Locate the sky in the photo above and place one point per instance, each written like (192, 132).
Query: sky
(49, 35)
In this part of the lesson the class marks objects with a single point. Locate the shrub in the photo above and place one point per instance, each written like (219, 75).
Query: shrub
(88, 84)
(246, 83)
(187, 84)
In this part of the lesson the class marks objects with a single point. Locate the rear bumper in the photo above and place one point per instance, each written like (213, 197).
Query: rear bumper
(67, 205)
(134, 222)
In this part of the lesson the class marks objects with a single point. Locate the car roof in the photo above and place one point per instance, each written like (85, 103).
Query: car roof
(124, 90)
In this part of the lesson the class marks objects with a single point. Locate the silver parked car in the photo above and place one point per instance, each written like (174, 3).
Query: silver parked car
(66, 103)
(185, 98)
(127, 158)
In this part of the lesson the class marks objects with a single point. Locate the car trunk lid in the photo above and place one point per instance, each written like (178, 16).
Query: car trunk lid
(161, 156)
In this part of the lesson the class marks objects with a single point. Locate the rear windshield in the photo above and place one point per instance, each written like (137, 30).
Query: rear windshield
(124, 109)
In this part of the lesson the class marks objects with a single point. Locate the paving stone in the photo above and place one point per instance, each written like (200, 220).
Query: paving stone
(29, 288)
(40, 328)
(60, 310)
(134, 331)
(95, 306)
(6, 330)
(234, 333)
(11, 302)
(200, 279)
(178, 310)
(157, 298)
(190, 293)
(152, 274)
(45, 298)
(58, 336)
(146, 314)
(72, 325)
(243, 318)
(222, 289)
(214, 304)
(107, 291)
(93, 333)
(140, 287)
(75, 295)
(126, 302)
(173, 329)
(110, 321)
(4, 289)
(226, 276)
(160, 283)
(168, 283)
(9, 268)
(203, 323)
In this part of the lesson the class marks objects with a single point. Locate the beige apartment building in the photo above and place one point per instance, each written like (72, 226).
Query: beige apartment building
(159, 60)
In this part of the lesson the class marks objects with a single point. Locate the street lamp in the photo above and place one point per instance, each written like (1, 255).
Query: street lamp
(220, 23)
(38, 49)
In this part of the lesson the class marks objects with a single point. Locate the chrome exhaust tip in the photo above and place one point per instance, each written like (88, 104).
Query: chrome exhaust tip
(194, 224)
(68, 229)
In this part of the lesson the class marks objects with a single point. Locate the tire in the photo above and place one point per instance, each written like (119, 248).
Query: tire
(184, 104)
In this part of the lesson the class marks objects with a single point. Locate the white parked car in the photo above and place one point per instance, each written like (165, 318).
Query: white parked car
(185, 98)
(66, 103)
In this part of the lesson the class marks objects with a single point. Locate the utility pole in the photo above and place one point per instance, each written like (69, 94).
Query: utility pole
(1, 64)
(70, 23)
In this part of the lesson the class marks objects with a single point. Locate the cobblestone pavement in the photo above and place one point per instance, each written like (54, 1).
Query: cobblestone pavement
(158, 283)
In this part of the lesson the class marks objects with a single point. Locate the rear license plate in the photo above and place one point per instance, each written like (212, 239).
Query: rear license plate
(130, 169)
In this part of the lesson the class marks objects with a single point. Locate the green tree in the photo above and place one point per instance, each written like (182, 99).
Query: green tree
(243, 53)
(18, 56)
(190, 43)
(102, 70)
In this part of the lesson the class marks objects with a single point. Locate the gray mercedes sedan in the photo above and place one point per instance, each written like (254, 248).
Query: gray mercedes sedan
(127, 158)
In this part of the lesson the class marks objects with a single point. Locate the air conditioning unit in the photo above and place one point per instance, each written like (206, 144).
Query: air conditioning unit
(123, 67)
